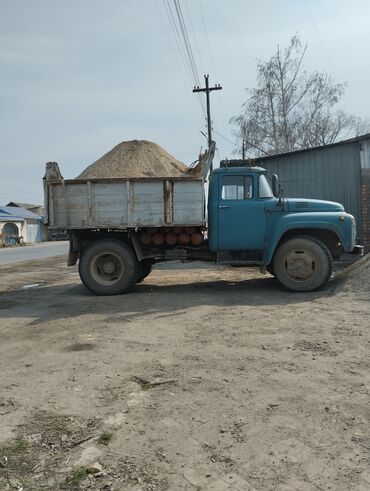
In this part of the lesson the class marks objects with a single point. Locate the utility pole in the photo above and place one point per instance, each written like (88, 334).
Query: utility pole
(207, 89)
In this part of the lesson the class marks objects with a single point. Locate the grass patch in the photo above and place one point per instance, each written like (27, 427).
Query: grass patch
(77, 476)
(20, 444)
(105, 438)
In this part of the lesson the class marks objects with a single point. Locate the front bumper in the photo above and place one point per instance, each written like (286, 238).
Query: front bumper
(358, 250)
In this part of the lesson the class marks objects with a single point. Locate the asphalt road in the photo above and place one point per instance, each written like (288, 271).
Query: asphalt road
(31, 252)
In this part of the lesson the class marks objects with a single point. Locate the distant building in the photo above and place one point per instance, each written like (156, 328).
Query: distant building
(37, 209)
(337, 172)
(18, 224)
(35, 232)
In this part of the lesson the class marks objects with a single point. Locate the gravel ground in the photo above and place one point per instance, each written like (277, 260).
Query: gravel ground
(200, 379)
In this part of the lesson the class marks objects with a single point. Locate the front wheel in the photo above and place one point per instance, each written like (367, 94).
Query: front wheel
(302, 264)
(108, 267)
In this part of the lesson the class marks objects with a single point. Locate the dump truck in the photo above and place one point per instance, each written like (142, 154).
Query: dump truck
(119, 228)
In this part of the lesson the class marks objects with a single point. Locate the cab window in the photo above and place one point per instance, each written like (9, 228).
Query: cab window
(237, 187)
(264, 189)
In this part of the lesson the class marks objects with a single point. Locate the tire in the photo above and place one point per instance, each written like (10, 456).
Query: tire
(145, 268)
(108, 267)
(302, 264)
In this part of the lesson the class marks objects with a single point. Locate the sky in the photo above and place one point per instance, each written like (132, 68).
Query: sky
(80, 76)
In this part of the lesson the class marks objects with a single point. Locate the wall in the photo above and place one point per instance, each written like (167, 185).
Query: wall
(329, 173)
(33, 232)
(365, 205)
(21, 228)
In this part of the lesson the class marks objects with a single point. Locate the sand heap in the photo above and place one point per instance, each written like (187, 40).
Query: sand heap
(356, 278)
(136, 158)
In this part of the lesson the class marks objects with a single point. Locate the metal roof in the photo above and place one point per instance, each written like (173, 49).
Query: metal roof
(11, 213)
(359, 138)
(27, 206)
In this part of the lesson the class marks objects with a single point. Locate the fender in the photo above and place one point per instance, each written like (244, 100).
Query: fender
(323, 220)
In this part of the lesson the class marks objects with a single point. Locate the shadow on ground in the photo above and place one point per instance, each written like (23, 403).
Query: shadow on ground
(67, 301)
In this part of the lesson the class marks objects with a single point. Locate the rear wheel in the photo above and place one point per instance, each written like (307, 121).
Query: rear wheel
(145, 268)
(108, 267)
(302, 264)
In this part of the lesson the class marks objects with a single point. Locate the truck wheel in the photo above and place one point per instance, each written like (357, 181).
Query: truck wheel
(108, 267)
(302, 264)
(145, 268)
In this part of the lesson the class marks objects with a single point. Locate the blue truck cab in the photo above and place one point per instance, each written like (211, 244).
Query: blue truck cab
(295, 239)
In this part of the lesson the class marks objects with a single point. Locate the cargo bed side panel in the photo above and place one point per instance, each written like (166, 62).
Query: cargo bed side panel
(146, 204)
(125, 203)
(109, 204)
(188, 203)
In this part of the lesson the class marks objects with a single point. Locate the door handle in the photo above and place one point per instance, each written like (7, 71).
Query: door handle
(223, 206)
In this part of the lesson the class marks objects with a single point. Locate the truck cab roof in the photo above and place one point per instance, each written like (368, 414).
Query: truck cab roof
(237, 169)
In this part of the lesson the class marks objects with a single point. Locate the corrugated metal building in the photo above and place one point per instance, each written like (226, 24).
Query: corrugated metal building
(337, 172)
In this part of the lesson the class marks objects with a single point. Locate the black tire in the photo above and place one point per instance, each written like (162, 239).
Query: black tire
(302, 264)
(145, 268)
(108, 267)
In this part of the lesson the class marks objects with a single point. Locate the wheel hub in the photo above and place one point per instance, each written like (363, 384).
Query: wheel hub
(300, 265)
(107, 269)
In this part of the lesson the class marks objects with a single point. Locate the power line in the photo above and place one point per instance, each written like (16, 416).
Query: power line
(183, 73)
(183, 43)
(194, 35)
(213, 65)
(319, 37)
(207, 39)
(186, 40)
(188, 47)
(235, 144)
(176, 33)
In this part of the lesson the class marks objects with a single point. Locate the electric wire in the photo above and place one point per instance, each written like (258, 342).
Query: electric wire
(207, 39)
(188, 48)
(319, 37)
(180, 68)
(196, 44)
(184, 50)
(186, 41)
(177, 38)
(235, 143)
(219, 105)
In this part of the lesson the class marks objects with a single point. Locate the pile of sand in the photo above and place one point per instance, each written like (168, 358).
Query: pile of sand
(136, 158)
(356, 278)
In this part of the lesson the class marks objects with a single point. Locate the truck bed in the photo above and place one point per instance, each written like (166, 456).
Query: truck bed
(124, 203)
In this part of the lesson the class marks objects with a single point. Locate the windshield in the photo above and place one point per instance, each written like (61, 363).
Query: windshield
(264, 189)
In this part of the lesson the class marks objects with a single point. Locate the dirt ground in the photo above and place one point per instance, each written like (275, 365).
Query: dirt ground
(200, 379)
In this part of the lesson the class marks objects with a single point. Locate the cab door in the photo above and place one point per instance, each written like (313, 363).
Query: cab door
(241, 215)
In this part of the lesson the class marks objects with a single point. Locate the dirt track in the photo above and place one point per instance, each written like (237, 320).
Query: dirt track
(211, 379)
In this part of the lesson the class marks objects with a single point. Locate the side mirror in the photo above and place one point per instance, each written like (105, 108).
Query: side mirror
(275, 185)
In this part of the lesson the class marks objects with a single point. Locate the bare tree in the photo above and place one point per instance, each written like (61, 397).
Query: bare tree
(292, 109)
